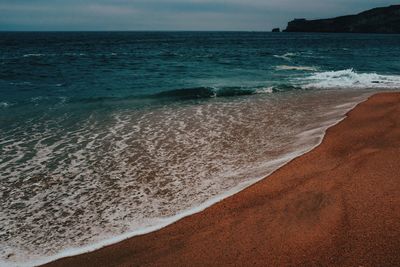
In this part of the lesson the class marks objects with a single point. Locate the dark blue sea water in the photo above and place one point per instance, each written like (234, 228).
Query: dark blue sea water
(105, 135)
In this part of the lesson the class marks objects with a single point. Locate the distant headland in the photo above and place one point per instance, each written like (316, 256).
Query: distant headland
(377, 20)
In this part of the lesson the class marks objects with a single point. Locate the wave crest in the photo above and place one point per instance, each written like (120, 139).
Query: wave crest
(4, 104)
(286, 56)
(34, 55)
(205, 92)
(287, 67)
(350, 79)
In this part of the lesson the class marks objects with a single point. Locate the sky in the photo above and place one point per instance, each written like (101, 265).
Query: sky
(247, 15)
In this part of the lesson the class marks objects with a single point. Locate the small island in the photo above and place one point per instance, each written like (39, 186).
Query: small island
(377, 20)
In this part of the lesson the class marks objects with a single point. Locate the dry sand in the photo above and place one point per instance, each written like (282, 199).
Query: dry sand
(338, 205)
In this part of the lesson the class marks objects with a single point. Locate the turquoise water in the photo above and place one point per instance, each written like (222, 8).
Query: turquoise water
(107, 135)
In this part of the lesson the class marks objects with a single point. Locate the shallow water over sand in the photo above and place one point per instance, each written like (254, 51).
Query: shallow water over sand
(125, 173)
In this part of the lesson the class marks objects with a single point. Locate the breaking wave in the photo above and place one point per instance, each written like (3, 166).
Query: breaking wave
(342, 79)
(204, 92)
(195, 93)
(350, 79)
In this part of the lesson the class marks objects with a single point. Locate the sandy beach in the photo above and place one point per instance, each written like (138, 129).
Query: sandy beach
(338, 205)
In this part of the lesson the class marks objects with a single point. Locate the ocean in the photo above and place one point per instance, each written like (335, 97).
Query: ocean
(107, 135)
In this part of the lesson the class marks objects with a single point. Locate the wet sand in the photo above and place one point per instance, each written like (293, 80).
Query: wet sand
(338, 205)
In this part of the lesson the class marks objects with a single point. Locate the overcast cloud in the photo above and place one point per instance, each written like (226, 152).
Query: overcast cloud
(256, 15)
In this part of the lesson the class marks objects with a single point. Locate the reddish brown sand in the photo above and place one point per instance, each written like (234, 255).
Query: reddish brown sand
(338, 205)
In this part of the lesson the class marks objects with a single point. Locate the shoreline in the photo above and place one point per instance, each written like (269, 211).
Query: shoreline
(272, 166)
(85, 258)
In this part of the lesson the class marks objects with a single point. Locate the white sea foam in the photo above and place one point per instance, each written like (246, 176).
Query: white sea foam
(37, 99)
(287, 56)
(74, 54)
(162, 222)
(133, 172)
(34, 55)
(4, 104)
(264, 90)
(350, 79)
(304, 68)
(20, 83)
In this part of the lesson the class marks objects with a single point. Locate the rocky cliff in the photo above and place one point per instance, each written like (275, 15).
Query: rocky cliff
(377, 20)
